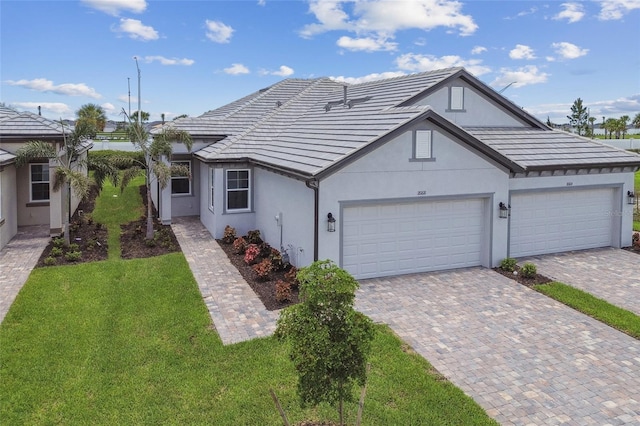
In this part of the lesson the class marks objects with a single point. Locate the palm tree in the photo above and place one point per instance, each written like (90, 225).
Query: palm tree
(623, 124)
(93, 117)
(155, 149)
(144, 116)
(610, 126)
(636, 121)
(592, 120)
(69, 168)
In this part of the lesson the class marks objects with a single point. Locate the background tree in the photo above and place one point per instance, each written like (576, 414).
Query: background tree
(623, 124)
(610, 126)
(69, 168)
(181, 116)
(636, 121)
(145, 116)
(92, 118)
(578, 117)
(155, 149)
(330, 341)
(592, 121)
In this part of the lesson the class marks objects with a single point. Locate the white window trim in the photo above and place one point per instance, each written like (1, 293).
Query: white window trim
(182, 194)
(48, 181)
(456, 98)
(423, 145)
(226, 191)
(212, 177)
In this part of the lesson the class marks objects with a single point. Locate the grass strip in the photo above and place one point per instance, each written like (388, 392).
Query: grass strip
(603, 311)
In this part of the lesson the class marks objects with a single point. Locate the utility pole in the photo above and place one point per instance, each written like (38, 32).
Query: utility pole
(139, 102)
(129, 87)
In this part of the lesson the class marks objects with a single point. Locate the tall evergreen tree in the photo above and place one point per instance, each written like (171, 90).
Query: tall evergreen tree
(579, 116)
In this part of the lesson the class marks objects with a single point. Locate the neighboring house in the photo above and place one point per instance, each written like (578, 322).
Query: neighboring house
(416, 171)
(27, 192)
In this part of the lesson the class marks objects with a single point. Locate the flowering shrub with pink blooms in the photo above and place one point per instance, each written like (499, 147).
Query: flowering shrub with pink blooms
(251, 253)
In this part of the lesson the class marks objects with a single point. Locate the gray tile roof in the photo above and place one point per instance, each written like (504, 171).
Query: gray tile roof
(536, 149)
(26, 125)
(6, 157)
(304, 127)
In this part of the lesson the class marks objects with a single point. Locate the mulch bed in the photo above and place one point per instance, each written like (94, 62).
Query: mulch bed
(264, 289)
(133, 242)
(89, 236)
(517, 276)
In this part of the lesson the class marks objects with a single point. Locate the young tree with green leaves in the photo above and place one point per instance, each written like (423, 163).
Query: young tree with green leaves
(330, 341)
(157, 151)
(579, 116)
(69, 168)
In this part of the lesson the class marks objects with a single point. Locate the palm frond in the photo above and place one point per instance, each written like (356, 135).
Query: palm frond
(103, 170)
(32, 150)
(162, 171)
(78, 181)
(128, 175)
(171, 134)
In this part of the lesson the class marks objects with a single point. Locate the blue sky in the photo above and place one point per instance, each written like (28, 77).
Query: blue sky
(198, 55)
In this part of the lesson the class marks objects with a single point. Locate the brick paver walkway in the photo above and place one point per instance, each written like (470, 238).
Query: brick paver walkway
(523, 357)
(17, 259)
(608, 273)
(237, 313)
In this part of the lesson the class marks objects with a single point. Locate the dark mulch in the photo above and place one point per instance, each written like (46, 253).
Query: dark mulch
(517, 276)
(86, 236)
(133, 242)
(265, 290)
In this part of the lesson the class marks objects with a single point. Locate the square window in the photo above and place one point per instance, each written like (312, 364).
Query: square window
(39, 185)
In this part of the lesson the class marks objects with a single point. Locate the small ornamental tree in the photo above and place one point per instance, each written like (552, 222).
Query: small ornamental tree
(330, 341)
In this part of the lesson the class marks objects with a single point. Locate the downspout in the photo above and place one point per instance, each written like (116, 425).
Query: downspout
(314, 184)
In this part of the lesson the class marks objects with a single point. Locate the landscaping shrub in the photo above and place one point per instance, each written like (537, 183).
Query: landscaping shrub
(262, 269)
(291, 276)
(239, 245)
(275, 257)
(50, 261)
(508, 264)
(283, 291)
(73, 256)
(58, 242)
(529, 270)
(251, 254)
(253, 237)
(229, 235)
(56, 251)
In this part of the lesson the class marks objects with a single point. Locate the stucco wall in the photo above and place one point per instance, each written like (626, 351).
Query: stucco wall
(28, 213)
(387, 174)
(478, 110)
(8, 204)
(277, 195)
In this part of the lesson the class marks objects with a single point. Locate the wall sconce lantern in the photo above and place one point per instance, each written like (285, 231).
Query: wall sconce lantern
(504, 210)
(331, 223)
(631, 197)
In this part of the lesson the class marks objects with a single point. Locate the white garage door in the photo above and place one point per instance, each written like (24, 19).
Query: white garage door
(557, 221)
(392, 239)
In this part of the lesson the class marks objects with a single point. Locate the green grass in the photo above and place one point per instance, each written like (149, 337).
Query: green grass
(131, 342)
(615, 317)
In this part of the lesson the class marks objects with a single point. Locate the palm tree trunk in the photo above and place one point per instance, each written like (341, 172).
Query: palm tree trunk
(67, 231)
(149, 212)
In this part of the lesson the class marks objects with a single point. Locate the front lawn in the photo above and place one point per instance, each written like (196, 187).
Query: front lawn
(131, 342)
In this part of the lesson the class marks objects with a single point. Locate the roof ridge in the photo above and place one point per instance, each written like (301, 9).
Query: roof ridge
(450, 71)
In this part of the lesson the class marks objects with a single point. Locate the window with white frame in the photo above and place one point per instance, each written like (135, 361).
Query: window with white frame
(456, 101)
(181, 184)
(238, 188)
(422, 146)
(212, 178)
(39, 182)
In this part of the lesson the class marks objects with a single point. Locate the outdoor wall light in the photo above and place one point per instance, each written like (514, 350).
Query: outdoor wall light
(631, 197)
(504, 210)
(331, 223)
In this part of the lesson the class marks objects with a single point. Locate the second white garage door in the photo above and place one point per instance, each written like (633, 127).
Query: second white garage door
(392, 239)
(557, 221)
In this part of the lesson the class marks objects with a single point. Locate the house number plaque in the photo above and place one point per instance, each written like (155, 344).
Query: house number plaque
(422, 192)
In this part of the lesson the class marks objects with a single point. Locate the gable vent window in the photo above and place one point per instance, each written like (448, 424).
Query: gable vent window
(456, 98)
(422, 146)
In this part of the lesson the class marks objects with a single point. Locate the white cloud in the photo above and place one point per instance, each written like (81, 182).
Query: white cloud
(524, 76)
(569, 50)
(573, 12)
(236, 69)
(136, 30)
(169, 61)
(616, 9)
(109, 108)
(369, 77)
(69, 89)
(283, 71)
(522, 52)
(413, 62)
(218, 31)
(366, 44)
(379, 20)
(55, 107)
(114, 7)
(262, 2)
(478, 50)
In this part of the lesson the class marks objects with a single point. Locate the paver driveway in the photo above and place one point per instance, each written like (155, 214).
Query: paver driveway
(523, 357)
(608, 273)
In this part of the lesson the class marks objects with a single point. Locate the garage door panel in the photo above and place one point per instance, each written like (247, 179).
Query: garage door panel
(556, 221)
(426, 236)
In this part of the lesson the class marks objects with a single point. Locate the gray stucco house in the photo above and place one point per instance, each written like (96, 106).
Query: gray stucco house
(26, 193)
(423, 172)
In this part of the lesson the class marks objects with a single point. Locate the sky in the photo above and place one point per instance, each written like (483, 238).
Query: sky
(195, 56)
